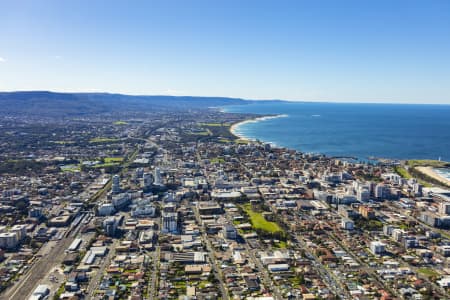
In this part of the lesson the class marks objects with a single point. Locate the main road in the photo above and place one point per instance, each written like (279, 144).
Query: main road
(217, 270)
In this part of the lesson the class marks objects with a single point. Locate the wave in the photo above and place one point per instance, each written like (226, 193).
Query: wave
(237, 132)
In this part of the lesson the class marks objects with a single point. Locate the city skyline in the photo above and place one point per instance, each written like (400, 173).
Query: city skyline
(395, 52)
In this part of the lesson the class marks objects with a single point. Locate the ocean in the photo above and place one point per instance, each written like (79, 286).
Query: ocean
(363, 131)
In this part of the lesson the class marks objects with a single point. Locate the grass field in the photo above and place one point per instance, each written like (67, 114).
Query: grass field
(241, 141)
(106, 165)
(113, 160)
(213, 124)
(428, 272)
(427, 163)
(402, 172)
(120, 123)
(70, 168)
(405, 174)
(217, 160)
(103, 140)
(64, 142)
(201, 133)
(259, 222)
(281, 245)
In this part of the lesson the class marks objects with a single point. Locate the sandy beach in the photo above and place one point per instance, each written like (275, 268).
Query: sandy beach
(234, 127)
(433, 174)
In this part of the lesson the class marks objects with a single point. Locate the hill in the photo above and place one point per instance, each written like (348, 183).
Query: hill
(51, 103)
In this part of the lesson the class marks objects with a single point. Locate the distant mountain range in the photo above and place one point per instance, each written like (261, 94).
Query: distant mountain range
(63, 104)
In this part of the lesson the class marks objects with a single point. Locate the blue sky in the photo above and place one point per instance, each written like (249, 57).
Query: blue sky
(352, 51)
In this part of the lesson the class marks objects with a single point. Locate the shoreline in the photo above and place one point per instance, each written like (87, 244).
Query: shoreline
(430, 172)
(234, 130)
(235, 126)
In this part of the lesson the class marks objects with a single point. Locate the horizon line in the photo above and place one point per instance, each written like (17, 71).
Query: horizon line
(229, 97)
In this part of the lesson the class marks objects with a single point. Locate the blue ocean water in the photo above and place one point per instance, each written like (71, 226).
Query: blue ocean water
(396, 131)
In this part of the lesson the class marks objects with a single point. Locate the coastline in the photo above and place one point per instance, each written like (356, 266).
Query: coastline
(235, 126)
(430, 172)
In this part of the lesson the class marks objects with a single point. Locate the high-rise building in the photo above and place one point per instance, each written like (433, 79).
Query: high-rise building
(116, 184)
(363, 194)
(347, 224)
(366, 212)
(139, 173)
(380, 191)
(147, 180)
(229, 232)
(398, 234)
(417, 187)
(169, 222)
(110, 225)
(377, 247)
(387, 229)
(8, 240)
(157, 177)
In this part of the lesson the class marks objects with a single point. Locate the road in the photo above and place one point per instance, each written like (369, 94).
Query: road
(363, 264)
(105, 261)
(265, 274)
(216, 268)
(329, 278)
(153, 294)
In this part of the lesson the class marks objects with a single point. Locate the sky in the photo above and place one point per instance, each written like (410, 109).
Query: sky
(350, 51)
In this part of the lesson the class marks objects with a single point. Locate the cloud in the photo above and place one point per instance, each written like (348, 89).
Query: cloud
(2, 59)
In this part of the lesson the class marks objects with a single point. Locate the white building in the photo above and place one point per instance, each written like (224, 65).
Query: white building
(148, 210)
(169, 222)
(229, 232)
(377, 247)
(8, 240)
(392, 177)
(278, 267)
(40, 292)
(116, 184)
(157, 177)
(363, 194)
(347, 224)
(387, 229)
(398, 234)
(380, 191)
(20, 230)
(110, 226)
(106, 209)
(121, 200)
